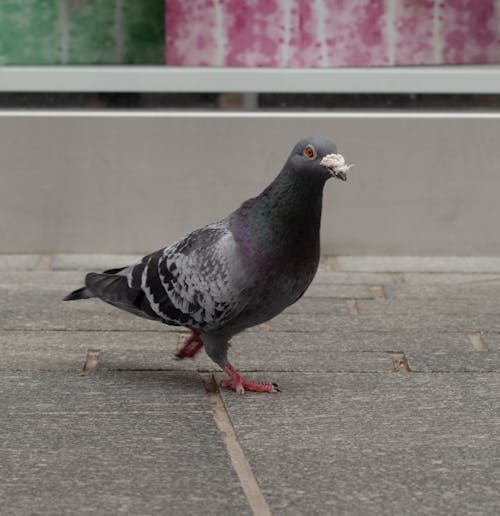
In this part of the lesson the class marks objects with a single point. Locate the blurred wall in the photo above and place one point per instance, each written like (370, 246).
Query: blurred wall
(424, 183)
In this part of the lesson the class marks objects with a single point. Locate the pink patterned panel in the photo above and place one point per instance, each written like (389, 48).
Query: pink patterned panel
(468, 30)
(343, 33)
(414, 32)
(191, 35)
(231, 32)
(329, 33)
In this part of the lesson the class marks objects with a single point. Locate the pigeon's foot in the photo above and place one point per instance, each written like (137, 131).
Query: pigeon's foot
(240, 385)
(191, 346)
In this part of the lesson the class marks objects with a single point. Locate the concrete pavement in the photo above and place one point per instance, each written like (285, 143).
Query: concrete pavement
(146, 434)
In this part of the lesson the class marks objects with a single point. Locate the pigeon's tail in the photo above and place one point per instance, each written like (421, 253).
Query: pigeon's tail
(108, 286)
(81, 293)
(88, 291)
(113, 288)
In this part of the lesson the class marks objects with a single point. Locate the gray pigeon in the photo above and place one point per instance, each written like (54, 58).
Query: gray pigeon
(237, 272)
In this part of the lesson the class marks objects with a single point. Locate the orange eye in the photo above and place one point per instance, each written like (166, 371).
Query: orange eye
(309, 152)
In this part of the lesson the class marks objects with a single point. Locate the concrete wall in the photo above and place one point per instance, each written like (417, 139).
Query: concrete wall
(424, 184)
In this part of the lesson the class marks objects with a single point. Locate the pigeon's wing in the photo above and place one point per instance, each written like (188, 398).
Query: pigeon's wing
(196, 282)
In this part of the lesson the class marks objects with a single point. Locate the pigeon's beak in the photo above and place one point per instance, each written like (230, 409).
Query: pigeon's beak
(335, 163)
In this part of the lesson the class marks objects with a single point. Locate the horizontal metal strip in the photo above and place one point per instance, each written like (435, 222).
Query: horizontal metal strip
(418, 79)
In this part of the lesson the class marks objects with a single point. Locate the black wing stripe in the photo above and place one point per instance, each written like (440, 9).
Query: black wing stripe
(159, 298)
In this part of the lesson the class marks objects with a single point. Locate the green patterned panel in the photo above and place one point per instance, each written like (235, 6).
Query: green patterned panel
(92, 32)
(37, 32)
(29, 32)
(144, 29)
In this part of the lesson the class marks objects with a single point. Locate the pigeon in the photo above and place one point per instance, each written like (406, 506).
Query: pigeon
(237, 272)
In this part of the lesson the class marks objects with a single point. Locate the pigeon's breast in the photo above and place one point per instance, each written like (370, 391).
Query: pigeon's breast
(272, 294)
(285, 287)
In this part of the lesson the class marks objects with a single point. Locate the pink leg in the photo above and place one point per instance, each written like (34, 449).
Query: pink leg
(240, 385)
(191, 346)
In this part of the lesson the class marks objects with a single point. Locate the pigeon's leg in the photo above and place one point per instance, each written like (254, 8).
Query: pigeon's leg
(216, 349)
(240, 385)
(191, 346)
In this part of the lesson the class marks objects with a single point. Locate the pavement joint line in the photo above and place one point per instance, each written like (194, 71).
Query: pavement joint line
(378, 292)
(352, 306)
(400, 362)
(398, 278)
(240, 463)
(477, 341)
(44, 263)
(91, 362)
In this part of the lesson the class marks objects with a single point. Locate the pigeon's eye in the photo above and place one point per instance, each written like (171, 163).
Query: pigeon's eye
(309, 152)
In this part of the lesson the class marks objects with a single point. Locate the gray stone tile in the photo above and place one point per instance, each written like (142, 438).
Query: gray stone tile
(466, 290)
(492, 340)
(386, 323)
(429, 264)
(41, 280)
(339, 291)
(66, 351)
(132, 443)
(251, 351)
(45, 310)
(360, 444)
(20, 262)
(352, 278)
(92, 262)
(432, 306)
(321, 344)
(472, 361)
(449, 278)
(319, 305)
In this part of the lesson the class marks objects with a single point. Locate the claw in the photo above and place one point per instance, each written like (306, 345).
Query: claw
(240, 385)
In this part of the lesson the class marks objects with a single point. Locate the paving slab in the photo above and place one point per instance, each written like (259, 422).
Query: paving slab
(251, 351)
(432, 306)
(13, 279)
(387, 323)
(492, 340)
(41, 309)
(114, 443)
(314, 348)
(446, 278)
(360, 444)
(334, 290)
(311, 305)
(66, 351)
(474, 361)
(464, 290)
(328, 277)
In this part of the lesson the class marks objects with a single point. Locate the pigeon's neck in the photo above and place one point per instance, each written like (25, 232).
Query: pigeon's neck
(283, 222)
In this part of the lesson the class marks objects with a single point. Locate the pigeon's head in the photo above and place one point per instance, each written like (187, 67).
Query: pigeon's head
(317, 155)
